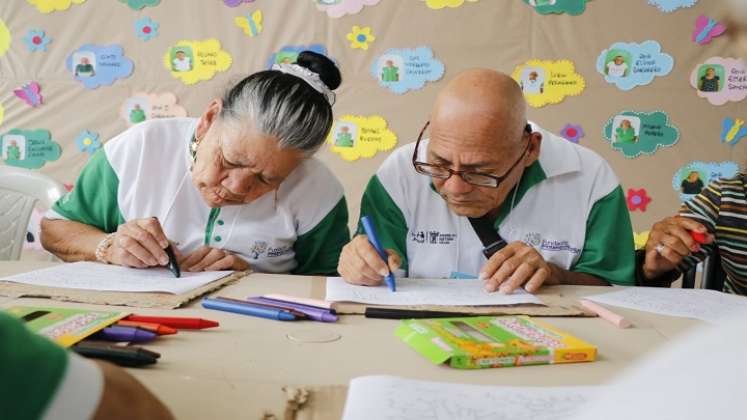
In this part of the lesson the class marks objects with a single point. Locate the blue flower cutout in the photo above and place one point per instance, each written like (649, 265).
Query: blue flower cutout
(88, 142)
(146, 28)
(36, 40)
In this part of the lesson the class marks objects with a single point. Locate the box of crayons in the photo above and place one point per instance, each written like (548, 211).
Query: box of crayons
(487, 342)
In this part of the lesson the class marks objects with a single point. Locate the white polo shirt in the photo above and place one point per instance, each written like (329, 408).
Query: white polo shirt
(569, 206)
(145, 172)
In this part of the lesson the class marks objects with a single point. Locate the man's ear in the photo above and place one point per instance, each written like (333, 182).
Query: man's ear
(208, 118)
(535, 144)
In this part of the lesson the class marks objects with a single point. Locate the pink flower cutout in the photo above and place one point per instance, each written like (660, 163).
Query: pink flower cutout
(638, 199)
(572, 133)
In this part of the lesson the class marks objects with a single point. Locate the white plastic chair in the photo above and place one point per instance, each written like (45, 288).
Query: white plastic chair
(20, 191)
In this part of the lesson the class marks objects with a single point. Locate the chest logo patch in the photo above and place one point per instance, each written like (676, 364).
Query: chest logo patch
(261, 248)
(432, 237)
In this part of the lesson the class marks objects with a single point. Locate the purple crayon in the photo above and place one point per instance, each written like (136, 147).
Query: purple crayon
(130, 334)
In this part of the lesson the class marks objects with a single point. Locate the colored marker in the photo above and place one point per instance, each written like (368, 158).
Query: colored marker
(150, 326)
(173, 263)
(606, 314)
(175, 322)
(130, 356)
(247, 309)
(699, 237)
(368, 227)
(129, 334)
(261, 304)
(317, 314)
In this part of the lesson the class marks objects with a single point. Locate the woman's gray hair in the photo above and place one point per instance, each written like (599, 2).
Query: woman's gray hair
(284, 106)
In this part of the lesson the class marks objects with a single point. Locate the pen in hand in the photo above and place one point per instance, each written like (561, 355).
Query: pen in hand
(173, 264)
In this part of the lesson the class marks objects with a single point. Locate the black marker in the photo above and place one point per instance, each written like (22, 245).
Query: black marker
(173, 263)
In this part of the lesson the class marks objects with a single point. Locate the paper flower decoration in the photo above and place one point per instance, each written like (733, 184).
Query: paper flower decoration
(146, 28)
(360, 37)
(640, 239)
(637, 199)
(36, 40)
(88, 142)
(572, 133)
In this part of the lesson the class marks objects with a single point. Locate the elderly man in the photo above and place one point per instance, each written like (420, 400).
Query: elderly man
(485, 182)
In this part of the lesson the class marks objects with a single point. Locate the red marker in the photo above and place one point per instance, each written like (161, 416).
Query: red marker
(698, 237)
(159, 329)
(175, 322)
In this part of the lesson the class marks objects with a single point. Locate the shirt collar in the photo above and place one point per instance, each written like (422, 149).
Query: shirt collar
(558, 156)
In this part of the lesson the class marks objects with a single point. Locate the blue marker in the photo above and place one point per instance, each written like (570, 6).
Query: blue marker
(371, 233)
(247, 309)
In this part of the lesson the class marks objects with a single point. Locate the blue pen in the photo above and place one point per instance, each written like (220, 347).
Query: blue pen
(371, 233)
(247, 309)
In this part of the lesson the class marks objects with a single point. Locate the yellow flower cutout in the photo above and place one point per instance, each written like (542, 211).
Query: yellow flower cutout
(640, 239)
(49, 6)
(440, 4)
(360, 37)
(353, 137)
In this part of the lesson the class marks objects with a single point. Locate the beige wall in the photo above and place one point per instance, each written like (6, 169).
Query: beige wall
(499, 34)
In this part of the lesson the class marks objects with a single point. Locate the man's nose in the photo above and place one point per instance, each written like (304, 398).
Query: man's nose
(457, 185)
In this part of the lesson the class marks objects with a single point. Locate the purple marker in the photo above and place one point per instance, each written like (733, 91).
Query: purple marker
(131, 334)
(317, 314)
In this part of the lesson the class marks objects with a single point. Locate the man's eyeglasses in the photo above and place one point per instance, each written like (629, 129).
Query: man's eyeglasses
(474, 178)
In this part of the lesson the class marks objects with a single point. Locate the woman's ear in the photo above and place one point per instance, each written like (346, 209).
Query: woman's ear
(208, 118)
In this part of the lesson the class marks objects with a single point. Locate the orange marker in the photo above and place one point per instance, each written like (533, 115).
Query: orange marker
(606, 314)
(150, 326)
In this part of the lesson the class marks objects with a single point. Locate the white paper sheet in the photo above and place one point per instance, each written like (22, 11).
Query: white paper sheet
(96, 276)
(391, 397)
(707, 305)
(425, 292)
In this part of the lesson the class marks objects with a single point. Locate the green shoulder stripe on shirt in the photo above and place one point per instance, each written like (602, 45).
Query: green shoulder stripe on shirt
(318, 250)
(390, 223)
(609, 249)
(32, 368)
(93, 201)
(532, 176)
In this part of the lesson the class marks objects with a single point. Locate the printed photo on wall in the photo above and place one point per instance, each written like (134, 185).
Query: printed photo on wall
(182, 58)
(84, 64)
(711, 78)
(533, 81)
(390, 66)
(345, 134)
(14, 148)
(627, 128)
(618, 63)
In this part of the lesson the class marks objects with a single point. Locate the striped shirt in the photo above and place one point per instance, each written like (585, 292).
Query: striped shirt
(722, 208)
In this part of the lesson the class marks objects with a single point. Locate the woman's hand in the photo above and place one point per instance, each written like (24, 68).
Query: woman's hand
(207, 258)
(669, 243)
(138, 243)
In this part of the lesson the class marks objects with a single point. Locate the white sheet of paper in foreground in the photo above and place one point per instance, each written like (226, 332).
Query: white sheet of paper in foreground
(707, 305)
(391, 397)
(447, 292)
(96, 276)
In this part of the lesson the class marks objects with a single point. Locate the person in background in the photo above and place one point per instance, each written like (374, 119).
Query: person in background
(41, 380)
(216, 187)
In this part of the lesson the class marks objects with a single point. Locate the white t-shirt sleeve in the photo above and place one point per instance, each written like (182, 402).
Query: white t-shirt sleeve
(79, 392)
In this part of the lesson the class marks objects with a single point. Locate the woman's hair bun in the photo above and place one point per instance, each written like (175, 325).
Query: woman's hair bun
(321, 65)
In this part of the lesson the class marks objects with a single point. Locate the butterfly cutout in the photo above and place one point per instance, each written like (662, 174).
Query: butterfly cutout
(706, 29)
(30, 93)
(732, 130)
(251, 24)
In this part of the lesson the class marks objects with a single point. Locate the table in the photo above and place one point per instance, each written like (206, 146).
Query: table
(239, 369)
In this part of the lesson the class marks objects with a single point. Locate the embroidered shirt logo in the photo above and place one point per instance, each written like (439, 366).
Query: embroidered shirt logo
(533, 239)
(261, 248)
(257, 249)
(433, 237)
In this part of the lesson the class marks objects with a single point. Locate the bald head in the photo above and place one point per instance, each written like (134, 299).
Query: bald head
(483, 100)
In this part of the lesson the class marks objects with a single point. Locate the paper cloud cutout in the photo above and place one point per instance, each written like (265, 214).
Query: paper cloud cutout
(548, 82)
(340, 8)
(96, 66)
(402, 70)
(354, 136)
(720, 80)
(145, 106)
(139, 4)
(195, 61)
(49, 6)
(635, 133)
(2, 113)
(5, 38)
(29, 149)
(289, 53)
(733, 130)
(690, 179)
(628, 65)
(669, 6)
(440, 4)
(544, 7)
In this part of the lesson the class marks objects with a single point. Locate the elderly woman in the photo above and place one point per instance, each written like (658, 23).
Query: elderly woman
(233, 189)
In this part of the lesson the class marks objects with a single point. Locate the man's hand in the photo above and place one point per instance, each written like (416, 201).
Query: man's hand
(361, 264)
(516, 265)
(669, 243)
(138, 243)
(207, 258)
